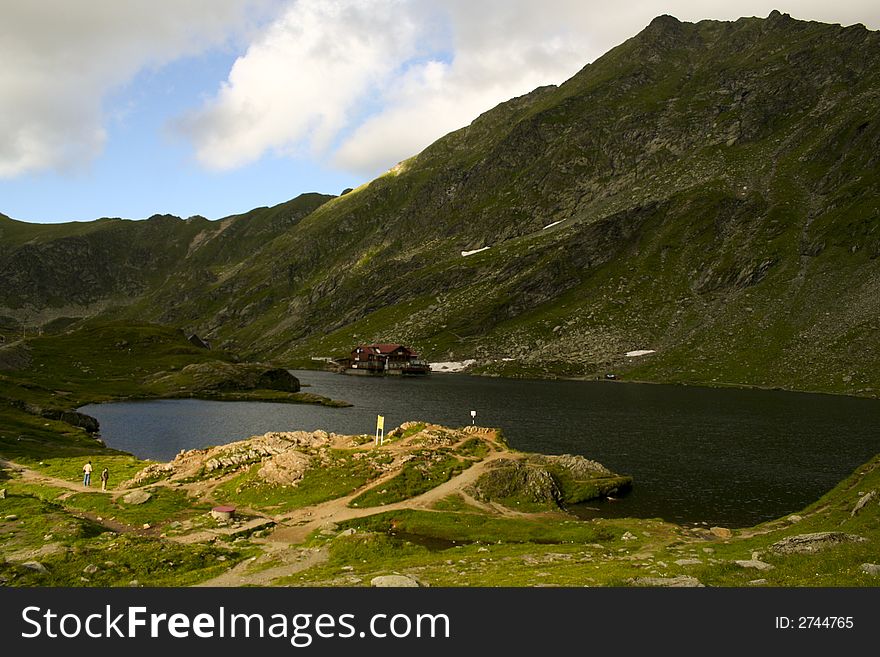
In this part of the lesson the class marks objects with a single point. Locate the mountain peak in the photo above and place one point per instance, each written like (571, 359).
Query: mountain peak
(665, 21)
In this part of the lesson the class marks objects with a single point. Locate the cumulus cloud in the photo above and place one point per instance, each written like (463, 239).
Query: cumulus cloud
(58, 60)
(359, 84)
(367, 83)
(300, 80)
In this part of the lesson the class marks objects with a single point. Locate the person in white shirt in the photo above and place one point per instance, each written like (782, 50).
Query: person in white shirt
(87, 473)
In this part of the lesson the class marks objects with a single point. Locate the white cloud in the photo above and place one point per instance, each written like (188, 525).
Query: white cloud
(359, 83)
(300, 81)
(366, 84)
(58, 59)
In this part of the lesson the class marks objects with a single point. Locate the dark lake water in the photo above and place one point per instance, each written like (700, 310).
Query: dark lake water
(721, 456)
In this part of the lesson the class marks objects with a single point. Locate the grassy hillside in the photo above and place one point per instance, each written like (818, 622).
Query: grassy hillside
(707, 191)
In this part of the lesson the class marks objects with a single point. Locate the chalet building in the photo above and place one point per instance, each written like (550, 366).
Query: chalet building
(386, 359)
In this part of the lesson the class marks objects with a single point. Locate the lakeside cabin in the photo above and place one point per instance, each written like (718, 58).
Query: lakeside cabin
(382, 359)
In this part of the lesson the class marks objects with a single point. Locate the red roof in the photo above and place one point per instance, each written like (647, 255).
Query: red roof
(384, 349)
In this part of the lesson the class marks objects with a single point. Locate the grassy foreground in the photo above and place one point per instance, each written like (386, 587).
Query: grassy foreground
(446, 507)
(314, 533)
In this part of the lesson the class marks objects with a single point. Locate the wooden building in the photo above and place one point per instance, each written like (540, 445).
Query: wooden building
(394, 359)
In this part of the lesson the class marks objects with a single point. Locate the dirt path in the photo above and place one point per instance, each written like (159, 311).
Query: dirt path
(292, 528)
(33, 476)
(296, 525)
(29, 475)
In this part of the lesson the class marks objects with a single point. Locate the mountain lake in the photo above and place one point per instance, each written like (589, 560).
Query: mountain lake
(720, 456)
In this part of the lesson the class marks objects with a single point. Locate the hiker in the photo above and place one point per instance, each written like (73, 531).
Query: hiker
(87, 473)
(105, 475)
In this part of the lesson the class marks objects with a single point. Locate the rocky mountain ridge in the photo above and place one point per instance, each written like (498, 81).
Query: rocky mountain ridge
(707, 192)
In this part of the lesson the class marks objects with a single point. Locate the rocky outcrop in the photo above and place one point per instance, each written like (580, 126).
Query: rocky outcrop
(395, 581)
(516, 479)
(136, 497)
(220, 376)
(278, 379)
(547, 480)
(757, 564)
(73, 418)
(681, 581)
(864, 500)
(576, 466)
(812, 543)
(285, 457)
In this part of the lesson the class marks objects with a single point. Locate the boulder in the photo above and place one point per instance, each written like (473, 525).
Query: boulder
(681, 581)
(721, 532)
(91, 569)
(754, 563)
(394, 581)
(871, 568)
(35, 565)
(2, 493)
(688, 562)
(864, 500)
(137, 497)
(812, 543)
(278, 378)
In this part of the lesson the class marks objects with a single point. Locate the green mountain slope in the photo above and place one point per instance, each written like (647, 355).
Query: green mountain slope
(80, 268)
(708, 191)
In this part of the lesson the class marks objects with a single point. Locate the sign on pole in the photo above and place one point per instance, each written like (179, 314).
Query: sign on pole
(380, 429)
(473, 417)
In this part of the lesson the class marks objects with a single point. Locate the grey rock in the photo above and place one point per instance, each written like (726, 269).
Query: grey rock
(682, 581)
(394, 581)
(754, 563)
(757, 582)
(91, 569)
(11, 517)
(35, 565)
(2, 493)
(688, 562)
(863, 502)
(721, 532)
(812, 543)
(137, 497)
(871, 568)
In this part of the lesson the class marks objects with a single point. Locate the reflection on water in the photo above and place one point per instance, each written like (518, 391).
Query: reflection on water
(723, 456)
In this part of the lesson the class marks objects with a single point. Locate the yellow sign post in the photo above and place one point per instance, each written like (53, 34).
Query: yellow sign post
(380, 429)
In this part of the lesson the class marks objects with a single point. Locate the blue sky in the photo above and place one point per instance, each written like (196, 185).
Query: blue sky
(214, 107)
(145, 169)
